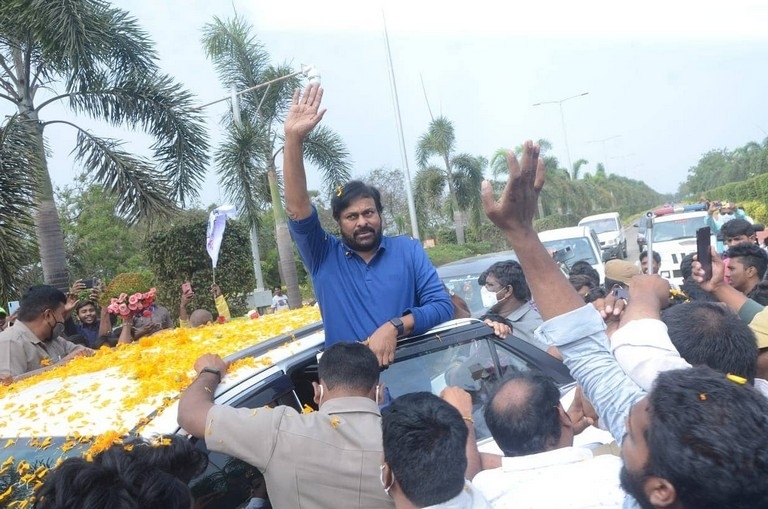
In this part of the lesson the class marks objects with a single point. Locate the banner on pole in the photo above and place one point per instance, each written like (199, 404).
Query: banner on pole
(217, 222)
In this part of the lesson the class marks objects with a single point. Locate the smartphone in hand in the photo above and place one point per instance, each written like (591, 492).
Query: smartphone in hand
(703, 253)
(186, 288)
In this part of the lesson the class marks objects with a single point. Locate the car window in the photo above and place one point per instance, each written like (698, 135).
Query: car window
(677, 229)
(602, 225)
(580, 247)
(230, 482)
(475, 366)
(466, 287)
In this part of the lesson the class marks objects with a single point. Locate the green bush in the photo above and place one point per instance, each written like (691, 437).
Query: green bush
(445, 253)
(555, 221)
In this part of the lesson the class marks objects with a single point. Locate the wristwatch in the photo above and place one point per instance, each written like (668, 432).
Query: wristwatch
(215, 371)
(398, 323)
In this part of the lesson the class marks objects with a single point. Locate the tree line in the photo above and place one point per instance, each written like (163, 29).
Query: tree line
(96, 60)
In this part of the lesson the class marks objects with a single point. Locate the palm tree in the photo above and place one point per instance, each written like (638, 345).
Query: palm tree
(460, 173)
(17, 187)
(96, 59)
(577, 168)
(246, 161)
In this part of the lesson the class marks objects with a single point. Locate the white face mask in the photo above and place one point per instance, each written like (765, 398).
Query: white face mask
(489, 298)
(383, 483)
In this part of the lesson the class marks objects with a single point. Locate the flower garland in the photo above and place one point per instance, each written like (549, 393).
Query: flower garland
(158, 368)
(126, 306)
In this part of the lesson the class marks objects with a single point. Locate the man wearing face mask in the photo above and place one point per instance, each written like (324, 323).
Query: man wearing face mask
(505, 294)
(329, 458)
(35, 341)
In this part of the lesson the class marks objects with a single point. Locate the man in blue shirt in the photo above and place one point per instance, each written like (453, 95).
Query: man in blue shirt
(370, 287)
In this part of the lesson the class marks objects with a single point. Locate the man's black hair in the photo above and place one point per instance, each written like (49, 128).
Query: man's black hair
(737, 227)
(750, 255)
(707, 334)
(351, 192)
(583, 267)
(352, 366)
(579, 281)
(37, 299)
(81, 304)
(523, 414)
(759, 293)
(425, 441)
(656, 256)
(510, 273)
(694, 292)
(708, 436)
(178, 457)
(145, 476)
(686, 266)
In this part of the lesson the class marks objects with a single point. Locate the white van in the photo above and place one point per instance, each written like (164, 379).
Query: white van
(579, 243)
(674, 237)
(609, 231)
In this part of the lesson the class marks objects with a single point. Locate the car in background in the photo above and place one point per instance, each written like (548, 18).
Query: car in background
(673, 236)
(610, 233)
(463, 353)
(573, 244)
(641, 226)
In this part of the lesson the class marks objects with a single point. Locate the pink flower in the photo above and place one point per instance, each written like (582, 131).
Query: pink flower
(123, 309)
(134, 298)
(122, 297)
(113, 301)
(147, 313)
(132, 307)
(112, 308)
(139, 306)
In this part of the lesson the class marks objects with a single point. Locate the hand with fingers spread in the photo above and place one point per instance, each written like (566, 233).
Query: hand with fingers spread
(515, 210)
(304, 113)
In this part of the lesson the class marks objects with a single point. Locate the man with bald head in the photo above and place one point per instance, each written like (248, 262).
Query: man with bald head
(535, 433)
(201, 316)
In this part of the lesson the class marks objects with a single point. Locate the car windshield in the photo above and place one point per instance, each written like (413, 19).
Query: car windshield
(579, 246)
(602, 225)
(678, 229)
(466, 287)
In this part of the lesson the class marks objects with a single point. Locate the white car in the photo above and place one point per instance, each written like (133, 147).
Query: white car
(610, 233)
(574, 244)
(673, 236)
(60, 417)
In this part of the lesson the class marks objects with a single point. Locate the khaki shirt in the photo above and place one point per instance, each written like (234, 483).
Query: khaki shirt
(21, 351)
(329, 458)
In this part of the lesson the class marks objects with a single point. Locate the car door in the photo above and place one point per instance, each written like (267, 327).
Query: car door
(228, 482)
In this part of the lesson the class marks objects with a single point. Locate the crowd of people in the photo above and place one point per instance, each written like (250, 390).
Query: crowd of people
(680, 384)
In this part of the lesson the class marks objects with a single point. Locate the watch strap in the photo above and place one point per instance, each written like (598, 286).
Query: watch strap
(398, 324)
(215, 371)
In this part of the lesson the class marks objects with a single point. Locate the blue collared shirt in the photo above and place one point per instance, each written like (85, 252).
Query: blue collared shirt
(580, 337)
(355, 297)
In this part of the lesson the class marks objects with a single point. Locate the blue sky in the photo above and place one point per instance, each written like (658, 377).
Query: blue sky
(672, 81)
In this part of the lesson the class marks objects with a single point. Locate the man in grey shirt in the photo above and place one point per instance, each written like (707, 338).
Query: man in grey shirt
(34, 342)
(505, 294)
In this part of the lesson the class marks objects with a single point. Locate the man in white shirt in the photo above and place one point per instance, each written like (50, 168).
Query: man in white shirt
(279, 300)
(426, 440)
(535, 433)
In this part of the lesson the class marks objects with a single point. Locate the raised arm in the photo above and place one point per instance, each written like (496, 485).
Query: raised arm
(577, 330)
(302, 117)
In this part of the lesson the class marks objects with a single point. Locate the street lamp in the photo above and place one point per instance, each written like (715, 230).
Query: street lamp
(602, 142)
(260, 296)
(562, 122)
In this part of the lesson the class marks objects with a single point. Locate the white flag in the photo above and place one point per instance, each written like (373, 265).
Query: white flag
(217, 222)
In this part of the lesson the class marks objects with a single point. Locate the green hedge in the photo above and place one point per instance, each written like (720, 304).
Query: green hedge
(752, 194)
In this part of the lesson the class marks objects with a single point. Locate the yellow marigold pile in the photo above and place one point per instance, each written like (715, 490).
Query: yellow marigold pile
(157, 368)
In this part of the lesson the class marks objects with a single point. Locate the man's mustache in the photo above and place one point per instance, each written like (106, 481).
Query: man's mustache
(364, 229)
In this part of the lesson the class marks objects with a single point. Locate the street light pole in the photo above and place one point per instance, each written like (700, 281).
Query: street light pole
(307, 71)
(562, 123)
(602, 142)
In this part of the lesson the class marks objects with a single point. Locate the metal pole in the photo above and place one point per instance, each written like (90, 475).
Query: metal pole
(404, 156)
(565, 138)
(649, 243)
